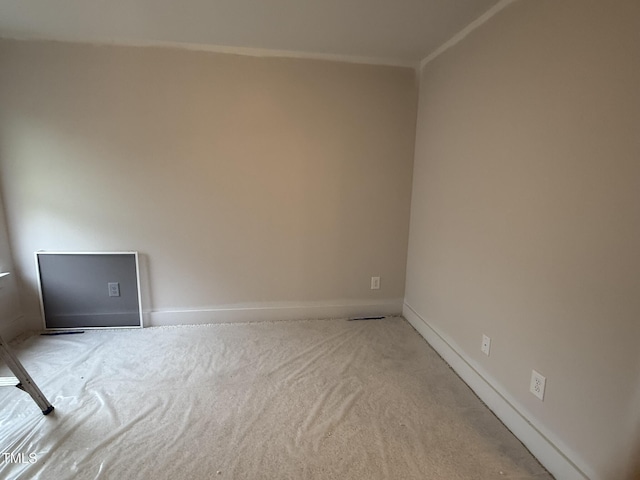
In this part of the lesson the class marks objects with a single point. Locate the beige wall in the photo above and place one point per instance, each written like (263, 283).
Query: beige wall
(525, 221)
(10, 311)
(241, 180)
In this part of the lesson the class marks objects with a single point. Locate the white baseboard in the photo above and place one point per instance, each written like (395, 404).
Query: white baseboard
(556, 457)
(269, 312)
(12, 328)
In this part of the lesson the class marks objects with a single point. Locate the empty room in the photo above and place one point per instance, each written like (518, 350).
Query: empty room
(275, 239)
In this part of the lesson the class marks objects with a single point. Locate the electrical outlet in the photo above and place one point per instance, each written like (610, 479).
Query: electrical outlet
(486, 345)
(375, 283)
(114, 289)
(537, 384)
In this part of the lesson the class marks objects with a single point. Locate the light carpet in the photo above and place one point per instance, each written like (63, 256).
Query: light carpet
(319, 399)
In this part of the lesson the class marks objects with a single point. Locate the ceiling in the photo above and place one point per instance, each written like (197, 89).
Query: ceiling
(401, 32)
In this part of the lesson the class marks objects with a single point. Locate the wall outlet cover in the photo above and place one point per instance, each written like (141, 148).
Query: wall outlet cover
(486, 345)
(538, 383)
(114, 289)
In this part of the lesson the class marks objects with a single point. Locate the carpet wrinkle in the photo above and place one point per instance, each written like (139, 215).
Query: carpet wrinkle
(329, 410)
(318, 351)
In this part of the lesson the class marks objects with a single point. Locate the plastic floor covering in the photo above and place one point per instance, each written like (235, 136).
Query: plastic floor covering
(321, 399)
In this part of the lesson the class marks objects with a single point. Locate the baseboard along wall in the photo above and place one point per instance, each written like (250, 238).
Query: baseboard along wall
(12, 328)
(561, 462)
(270, 312)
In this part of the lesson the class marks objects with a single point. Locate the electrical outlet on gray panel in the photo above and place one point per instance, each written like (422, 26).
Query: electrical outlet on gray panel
(114, 289)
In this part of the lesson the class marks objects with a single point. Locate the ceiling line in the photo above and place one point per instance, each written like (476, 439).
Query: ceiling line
(458, 37)
(244, 51)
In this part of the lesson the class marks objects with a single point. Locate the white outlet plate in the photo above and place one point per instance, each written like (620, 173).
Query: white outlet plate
(538, 383)
(486, 345)
(375, 283)
(114, 289)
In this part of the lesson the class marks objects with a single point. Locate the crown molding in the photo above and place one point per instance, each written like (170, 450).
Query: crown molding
(458, 37)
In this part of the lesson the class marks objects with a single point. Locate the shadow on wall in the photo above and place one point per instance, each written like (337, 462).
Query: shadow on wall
(145, 287)
(634, 472)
